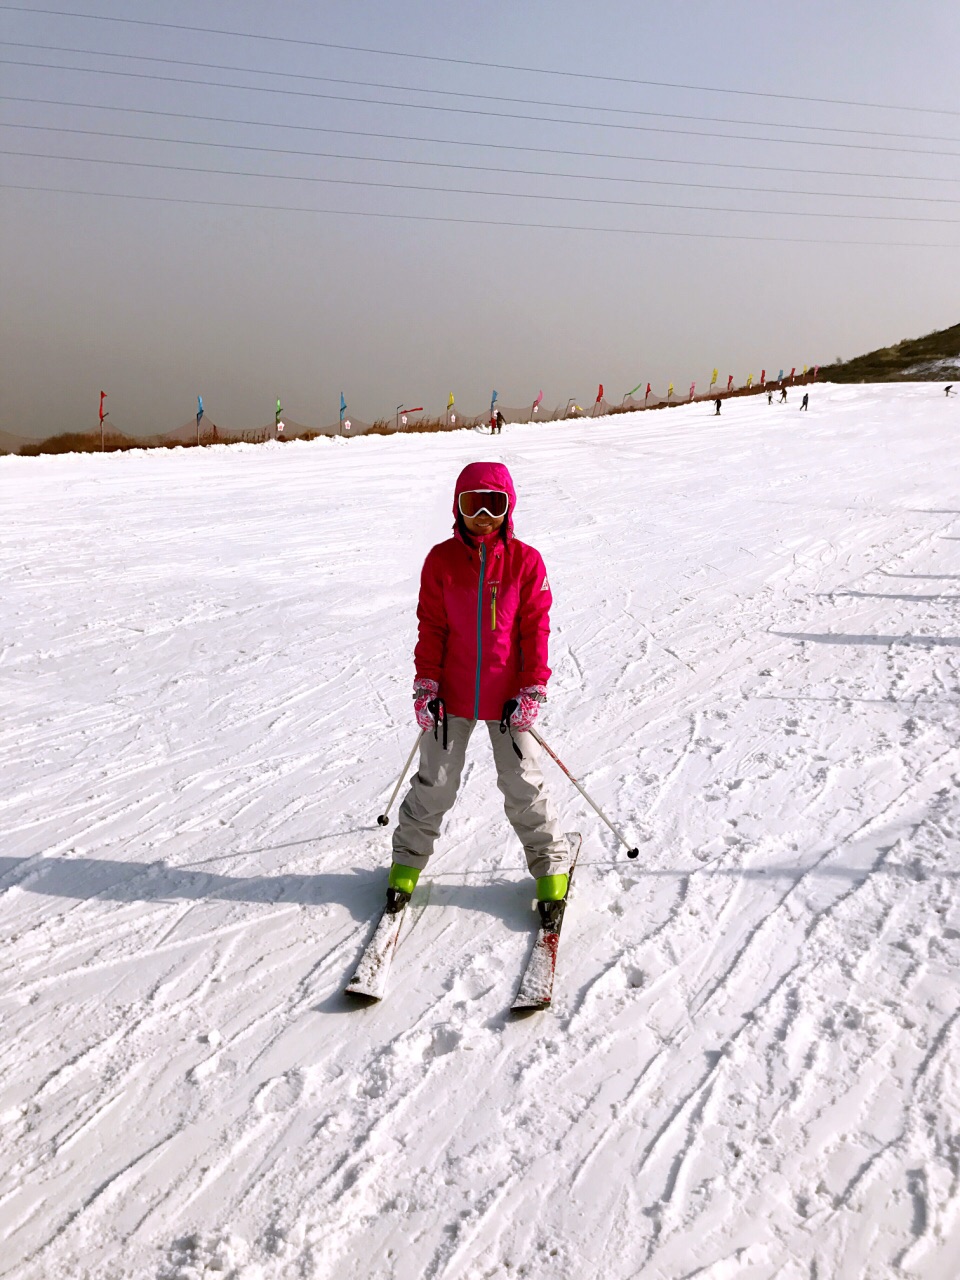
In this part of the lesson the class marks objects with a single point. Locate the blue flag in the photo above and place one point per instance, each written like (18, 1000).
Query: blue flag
(343, 406)
(493, 401)
(199, 409)
(780, 376)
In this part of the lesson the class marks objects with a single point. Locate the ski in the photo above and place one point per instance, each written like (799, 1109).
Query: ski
(536, 985)
(373, 969)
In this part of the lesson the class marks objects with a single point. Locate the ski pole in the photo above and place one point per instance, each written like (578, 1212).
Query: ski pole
(383, 820)
(631, 852)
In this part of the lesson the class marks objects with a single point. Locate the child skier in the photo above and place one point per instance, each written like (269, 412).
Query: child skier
(484, 620)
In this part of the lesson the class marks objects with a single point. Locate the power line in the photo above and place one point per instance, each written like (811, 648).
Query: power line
(477, 222)
(477, 168)
(379, 135)
(315, 95)
(457, 93)
(467, 62)
(471, 191)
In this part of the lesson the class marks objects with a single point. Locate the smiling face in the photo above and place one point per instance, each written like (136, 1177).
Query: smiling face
(483, 511)
(483, 523)
(483, 502)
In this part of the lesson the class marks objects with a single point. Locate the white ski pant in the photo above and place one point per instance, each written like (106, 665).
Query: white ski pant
(525, 800)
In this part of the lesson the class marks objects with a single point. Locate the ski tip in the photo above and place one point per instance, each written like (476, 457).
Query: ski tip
(529, 1006)
(358, 998)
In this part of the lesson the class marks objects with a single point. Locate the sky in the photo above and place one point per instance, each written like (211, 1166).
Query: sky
(404, 202)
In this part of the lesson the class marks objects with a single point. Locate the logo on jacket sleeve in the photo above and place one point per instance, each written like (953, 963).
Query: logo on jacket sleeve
(546, 584)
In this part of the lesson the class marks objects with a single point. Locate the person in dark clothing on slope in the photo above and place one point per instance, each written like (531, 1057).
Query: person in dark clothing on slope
(804, 403)
(717, 403)
(783, 395)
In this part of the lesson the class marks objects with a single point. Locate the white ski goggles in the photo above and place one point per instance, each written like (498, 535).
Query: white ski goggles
(494, 502)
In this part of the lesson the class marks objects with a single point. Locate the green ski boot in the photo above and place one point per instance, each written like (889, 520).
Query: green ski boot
(400, 886)
(551, 899)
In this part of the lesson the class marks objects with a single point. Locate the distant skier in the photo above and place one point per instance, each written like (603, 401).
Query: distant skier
(948, 389)
(783, 395)
(805, 402)
(717, 402)
(497, 422)
(484, 621)
(769, 397)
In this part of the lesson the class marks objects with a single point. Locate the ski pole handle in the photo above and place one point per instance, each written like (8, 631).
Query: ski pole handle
(631, 852)
(383, 820)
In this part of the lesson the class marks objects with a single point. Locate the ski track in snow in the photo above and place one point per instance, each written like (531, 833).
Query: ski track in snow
(751, 1068)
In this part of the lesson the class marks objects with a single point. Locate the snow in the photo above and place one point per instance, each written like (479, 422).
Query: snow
(752, 1066)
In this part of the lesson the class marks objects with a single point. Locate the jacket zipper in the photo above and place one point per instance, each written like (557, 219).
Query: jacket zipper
(493, 607)
(483, 565)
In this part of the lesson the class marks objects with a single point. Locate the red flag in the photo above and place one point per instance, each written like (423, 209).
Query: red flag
(729, 381)
(693, 386)
(648, 391)
(792, 372)
(763, 376)
(600, 393)
(103, 396)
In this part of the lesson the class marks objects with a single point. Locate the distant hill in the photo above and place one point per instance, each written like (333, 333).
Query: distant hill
(10, 443)
(933, 358)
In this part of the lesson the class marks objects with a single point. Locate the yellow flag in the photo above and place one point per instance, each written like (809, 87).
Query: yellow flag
(804, 370)
(670, 391)
(714, 378)
(749, 379)
(450, 401)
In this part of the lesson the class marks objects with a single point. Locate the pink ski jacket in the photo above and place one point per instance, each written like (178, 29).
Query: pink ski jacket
(484, 611)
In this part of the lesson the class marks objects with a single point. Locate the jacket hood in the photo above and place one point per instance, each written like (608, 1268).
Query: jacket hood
(484, 475)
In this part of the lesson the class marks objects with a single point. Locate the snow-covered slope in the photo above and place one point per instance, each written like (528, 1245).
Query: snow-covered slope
(751, 1070)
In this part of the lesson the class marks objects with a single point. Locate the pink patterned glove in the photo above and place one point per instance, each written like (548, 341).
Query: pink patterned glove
(528, 704)
(425, 691)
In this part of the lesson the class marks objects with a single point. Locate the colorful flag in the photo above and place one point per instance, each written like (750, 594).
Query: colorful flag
(804, 370)
(343, 406)
(537, 402)
(749, 379)
(647, 391)
(450, 401)
(599, 394)
(729, 381)
(199, 409)
(103, 396)
(693, 387)
(763, 376)
(780, 376)
(714, 378)
(670, 391)
(493, 401)
(816, 370)
(635, 389)
(792, 372)
(279, 411)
